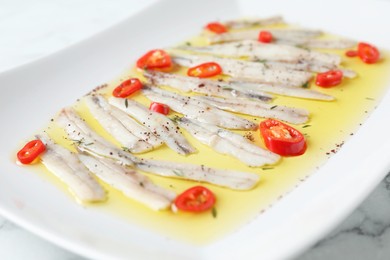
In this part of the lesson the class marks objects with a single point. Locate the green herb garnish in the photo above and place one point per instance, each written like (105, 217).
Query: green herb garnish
(226, 87)
(306, 85)
(214, 212)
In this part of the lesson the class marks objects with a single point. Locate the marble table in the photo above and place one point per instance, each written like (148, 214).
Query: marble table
(32, 29)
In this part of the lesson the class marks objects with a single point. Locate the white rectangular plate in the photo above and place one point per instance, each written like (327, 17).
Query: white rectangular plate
(31, 94)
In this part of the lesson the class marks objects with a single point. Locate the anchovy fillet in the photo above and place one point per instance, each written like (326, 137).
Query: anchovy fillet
(278, 34)
(280, 90)
(274, 52)
(235, 180)
(197, 109)
(87, 140)
(226, 142)
(134, 185)
(101, 111)
(199, 85)
(287, 114)
(294, 37)
(66, 166)
(162, 126)
(250, 90)
(251, 22)
(280, 65)
(248, 70)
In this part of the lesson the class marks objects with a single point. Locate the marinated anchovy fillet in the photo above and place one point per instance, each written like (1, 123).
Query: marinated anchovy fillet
(226, 142)
(280, 90)
(250, 22)
(66, 166)
(243, 89)
(248, 70)
(126, 130)
(255, 50)
(87, 140)
(197, 109)
(294, 37)
(113, 126)
(162, 126)
(202, 86)
(134, 185)
(228, 64)
(320, 43)
(253, 34)
(287, 114)
(235, 180)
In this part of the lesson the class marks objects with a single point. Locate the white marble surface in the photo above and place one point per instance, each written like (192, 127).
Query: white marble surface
(32, 29)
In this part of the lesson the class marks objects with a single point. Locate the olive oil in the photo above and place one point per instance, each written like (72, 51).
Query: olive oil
(331, 124)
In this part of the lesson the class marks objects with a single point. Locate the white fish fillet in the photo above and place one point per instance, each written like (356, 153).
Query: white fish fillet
(280, 90)
(134, 185)
(246, 89)
(162, 126)
(226, 142)
(197, 109)
(303, 66)
(255, 50)
(198, 85)
(235, 180)
(287, 114)
(87, 140)
(251, 22)
(142, 135)
(247, 70)
(100, 110)
(320, 43)
(294, 37)
(67, 167)
(253, 34)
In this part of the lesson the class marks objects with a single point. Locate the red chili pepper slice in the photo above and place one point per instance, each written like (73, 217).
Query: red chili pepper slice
(329, 79)
(281, 138)
(126, 88)
(154, 59)
(31, 151)
(216, 27)
(368, 53)
(205, 70)
(195, 199)
(159, 108)
(265, 37)
(351, 53)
